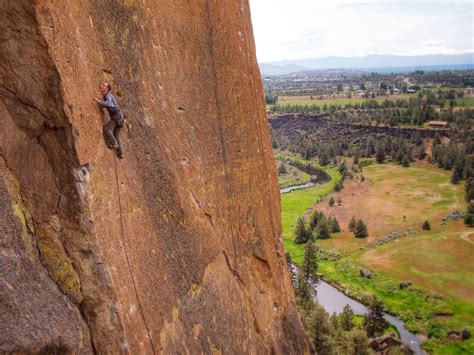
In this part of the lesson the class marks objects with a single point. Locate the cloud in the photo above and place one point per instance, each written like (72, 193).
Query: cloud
(307, 28)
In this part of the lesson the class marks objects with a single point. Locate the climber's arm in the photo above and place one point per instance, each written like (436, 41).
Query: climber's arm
(105, 103)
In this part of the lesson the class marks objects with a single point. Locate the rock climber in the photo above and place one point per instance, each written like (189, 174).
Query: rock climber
(112, 127)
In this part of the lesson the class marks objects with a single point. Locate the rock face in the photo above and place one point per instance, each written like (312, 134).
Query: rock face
(176, 248)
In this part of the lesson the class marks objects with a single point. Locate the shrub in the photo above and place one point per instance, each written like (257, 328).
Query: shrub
(360, 230)
(426, 226)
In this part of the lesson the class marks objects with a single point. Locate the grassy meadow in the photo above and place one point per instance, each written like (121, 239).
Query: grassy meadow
(438, 262)
(343, 100)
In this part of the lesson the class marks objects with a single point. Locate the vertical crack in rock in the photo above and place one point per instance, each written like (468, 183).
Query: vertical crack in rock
(122, 236)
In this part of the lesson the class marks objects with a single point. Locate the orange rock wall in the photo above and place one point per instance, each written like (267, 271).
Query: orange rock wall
(176, 247)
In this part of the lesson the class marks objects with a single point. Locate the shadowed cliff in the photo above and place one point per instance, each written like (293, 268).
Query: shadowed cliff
(176, 247)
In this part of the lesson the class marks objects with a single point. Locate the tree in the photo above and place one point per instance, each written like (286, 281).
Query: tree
(469, 220)
(334, 225)
(406, 161)
(310, 262)
(320, 331)
(374, 323)
(356, 157)
(470, 208)
(339, 186)
(360, 229)
(322, 230)
(359, 342)
(304, 293)
(301, 234)
(379, 153)
(346, 318)
(469, 188)
(331, 201)
(282, 169)
(426, 226)
(352, 224)
(316, 217)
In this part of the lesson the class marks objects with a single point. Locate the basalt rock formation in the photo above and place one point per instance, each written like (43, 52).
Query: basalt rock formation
(174, 249)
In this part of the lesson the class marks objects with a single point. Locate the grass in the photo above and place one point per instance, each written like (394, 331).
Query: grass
(439, 262)
(466, 101)
(306, 101)
(293, 177)
(297, 203)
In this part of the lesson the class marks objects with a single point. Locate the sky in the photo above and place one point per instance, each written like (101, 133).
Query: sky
(302, 29)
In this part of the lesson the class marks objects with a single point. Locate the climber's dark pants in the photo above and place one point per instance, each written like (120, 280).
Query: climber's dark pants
(111, 132)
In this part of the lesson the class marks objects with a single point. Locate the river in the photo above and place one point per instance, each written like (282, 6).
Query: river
(334, 300)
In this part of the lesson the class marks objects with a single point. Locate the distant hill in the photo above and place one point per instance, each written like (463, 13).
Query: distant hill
(269, 69)
(378, 63)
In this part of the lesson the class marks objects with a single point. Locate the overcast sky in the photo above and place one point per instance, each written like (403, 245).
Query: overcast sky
(300, 29)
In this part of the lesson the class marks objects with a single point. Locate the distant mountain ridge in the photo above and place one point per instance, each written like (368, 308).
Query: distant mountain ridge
(374, 62)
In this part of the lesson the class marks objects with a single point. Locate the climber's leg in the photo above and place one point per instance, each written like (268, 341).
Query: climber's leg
(108, 136)
(117, 138)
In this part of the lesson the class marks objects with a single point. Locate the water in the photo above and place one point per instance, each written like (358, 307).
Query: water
(296, 187)
(334, 300)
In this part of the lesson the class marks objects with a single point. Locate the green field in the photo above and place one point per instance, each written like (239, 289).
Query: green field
(297, 203)
(439, 262)
(306, 101)
(465, 101)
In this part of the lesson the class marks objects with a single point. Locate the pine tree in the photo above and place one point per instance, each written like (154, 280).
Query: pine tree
(374, 323)
(352, 224)
(322, 230)
(333, 321)
(379, 153)
(310, 262)
(469, 220)
(304, 293)
(339, 186)
(406, 161)
(331, 201)
(334, 225)
(360, 229)
(301, 234)
(315, 218)
(359, 342)
(320, 331)
(346, 318)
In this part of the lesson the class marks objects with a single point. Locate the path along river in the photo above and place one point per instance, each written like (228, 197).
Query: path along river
(334, 300)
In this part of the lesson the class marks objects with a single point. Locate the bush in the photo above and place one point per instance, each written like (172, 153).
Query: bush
(282, 169)
(360, 230)
(426, 226)
(469, 220)
(331, 201)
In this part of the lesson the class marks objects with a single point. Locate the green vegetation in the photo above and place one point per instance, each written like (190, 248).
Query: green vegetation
(291, 177)
(297, 203)
(437, 262)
